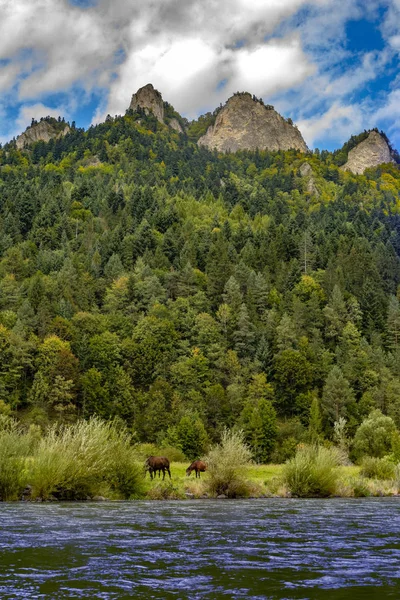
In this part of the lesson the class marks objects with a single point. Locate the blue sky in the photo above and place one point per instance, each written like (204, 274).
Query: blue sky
(332, 66)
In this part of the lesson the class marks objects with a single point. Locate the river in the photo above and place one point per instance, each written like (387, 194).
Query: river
(315, 549)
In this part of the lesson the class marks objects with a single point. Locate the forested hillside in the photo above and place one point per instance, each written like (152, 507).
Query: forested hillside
(181, 290)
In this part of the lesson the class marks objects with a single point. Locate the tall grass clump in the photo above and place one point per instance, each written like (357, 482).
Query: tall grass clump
(15, 447)
(85, 459)
(377, 468)
(312, 472)
(228, 463)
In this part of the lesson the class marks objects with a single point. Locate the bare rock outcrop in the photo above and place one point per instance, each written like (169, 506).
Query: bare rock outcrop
(150, 100)
(244, 123)
(307, 173)
(371, 152)
(174, 124)
(42, 131)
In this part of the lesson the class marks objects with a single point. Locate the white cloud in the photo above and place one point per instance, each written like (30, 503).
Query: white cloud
(270, 68)
(337, 123)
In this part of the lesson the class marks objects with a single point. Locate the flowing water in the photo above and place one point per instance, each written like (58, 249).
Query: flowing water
(336, 549)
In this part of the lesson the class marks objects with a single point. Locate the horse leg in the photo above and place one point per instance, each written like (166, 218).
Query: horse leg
(163, 473)
(169, 473)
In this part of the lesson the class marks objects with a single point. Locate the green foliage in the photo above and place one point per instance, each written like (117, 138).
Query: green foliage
(312, 472)
(14, 451)
(315, 422)
(258, 420)
(84, 459)
(146, 278)
(189, 435)
(374, 436)
(377, 468)
(228, 463)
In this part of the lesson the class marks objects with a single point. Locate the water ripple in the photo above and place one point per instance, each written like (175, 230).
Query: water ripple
(284, 549)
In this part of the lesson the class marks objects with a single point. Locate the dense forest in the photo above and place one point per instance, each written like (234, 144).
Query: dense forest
(183, 291)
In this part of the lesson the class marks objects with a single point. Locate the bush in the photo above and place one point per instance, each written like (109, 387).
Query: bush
(14, 450)
(165, 490)
(312, 472)
(189, 435)
(173, 454)
(227, 466)
(81, 460)
(377, 468)
(360, 488)
(374, 436)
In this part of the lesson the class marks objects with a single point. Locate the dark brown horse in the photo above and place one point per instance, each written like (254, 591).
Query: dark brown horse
(198, 466)
(157, 463)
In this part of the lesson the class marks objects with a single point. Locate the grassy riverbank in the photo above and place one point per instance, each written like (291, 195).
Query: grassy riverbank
(264, 481)
(92, 459)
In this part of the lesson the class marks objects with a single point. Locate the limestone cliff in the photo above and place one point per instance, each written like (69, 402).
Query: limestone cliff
(372, 152)
(174, 124)
(307, 173)
(44, 131)
(149, 99)
(246, 124)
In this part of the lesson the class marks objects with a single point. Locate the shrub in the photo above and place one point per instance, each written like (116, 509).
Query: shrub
(189, 435)
(165, 490)
(360, 488)
(377, 468)
(374, 436)
(14, 450)
(227, 466)
(173, 454)
(76, 461)
(312, 472)
(291, 432)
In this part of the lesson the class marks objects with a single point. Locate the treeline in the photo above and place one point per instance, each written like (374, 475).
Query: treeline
(184, 291)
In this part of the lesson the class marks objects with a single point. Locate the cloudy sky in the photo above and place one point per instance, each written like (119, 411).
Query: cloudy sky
(331, 65)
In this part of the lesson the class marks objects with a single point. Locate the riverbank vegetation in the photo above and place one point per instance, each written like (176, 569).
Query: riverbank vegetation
(95, 459)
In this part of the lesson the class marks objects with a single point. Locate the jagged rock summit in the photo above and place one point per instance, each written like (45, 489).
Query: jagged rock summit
(371, 152)
(148, 99)
(44, 130)
(245, 123)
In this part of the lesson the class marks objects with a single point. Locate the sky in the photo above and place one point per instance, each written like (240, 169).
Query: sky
(330, 65)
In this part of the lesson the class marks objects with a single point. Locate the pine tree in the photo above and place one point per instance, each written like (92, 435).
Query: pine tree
(315, 422)
(393, 323)
(337, 396)
(244, 335)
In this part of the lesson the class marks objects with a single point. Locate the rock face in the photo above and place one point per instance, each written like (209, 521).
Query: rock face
(149, 99)
(371, 152)
(174, 124)
(307, 173)
(246, 124)
(42, 131)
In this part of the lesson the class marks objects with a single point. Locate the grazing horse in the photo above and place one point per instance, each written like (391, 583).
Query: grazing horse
(198, 466)
(157, 463)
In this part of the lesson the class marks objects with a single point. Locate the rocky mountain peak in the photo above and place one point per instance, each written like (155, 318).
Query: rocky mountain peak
(44, 130)
(150, 100)
(371, 152)
(245, 123)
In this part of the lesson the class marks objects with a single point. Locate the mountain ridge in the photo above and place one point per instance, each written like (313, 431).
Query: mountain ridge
(243, 123)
